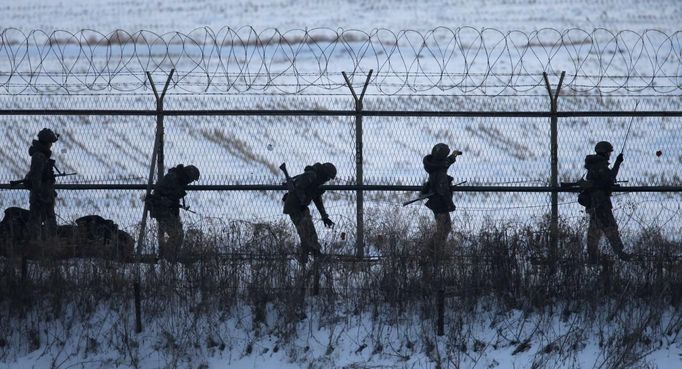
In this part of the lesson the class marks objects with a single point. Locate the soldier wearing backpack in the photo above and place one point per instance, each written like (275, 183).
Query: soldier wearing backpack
(597, 201)
(306, 189)
(165, 205)
(439, 193)
(436, 165)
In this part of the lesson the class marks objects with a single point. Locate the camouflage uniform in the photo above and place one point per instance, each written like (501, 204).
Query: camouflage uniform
(436, 165)
(41, 182)
(601, 179)
(307, 190)
(165, 208)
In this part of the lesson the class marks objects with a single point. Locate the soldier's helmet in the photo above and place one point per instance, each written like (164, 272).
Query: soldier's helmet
(440, 151)
(191, 172)
(603, 147)
(47, 135)
(329, 169)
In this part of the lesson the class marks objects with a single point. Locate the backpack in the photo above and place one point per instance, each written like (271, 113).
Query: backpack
(584, 198)
(26, 183)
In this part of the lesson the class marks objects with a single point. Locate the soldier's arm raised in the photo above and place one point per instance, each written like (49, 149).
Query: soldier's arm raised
(453, 157)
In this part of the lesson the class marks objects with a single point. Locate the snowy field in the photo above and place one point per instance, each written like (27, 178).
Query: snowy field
(247, 150)
(176, 15)
(486, 340)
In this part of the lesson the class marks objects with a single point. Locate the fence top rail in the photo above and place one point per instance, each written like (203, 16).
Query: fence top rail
(339, 113)
(396, 188)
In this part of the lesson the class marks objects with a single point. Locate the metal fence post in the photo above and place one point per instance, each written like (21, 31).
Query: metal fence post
(160, 132)
(360, 214)
(554, 176)
(158, 139)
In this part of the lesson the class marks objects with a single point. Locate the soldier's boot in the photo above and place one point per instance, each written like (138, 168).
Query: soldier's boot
(613, 236)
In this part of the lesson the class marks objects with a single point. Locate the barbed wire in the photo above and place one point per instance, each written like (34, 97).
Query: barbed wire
(442, 60)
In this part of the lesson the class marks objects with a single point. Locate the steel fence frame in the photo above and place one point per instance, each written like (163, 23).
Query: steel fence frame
(157, 164)
(553, 114)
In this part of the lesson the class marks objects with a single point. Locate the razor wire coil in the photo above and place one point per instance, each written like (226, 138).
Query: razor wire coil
(462, 60)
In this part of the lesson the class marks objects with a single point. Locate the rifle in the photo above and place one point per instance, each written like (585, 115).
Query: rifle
(23, 181)
(290, 183)
(107, 180)
(185, 207)
(627, 135)
(581, 183)
(427, 195)
(153, 201)
(584, 184)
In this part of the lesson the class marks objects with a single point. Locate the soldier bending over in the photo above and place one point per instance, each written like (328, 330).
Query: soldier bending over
(165, 208)
(307, 189)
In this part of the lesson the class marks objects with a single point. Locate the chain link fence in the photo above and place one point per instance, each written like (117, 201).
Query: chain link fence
(511, 151)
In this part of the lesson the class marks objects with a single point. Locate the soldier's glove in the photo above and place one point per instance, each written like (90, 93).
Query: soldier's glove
(619, 158)
(327, 222)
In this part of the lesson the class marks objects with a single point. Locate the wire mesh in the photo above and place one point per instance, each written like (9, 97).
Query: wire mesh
(247, 150)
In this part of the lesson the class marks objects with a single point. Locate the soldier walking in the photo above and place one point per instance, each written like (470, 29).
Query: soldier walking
(165, 207)
(40, 180)
(601, 181)
(307, 189)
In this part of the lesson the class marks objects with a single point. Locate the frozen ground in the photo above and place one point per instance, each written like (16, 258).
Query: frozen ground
(486, 339)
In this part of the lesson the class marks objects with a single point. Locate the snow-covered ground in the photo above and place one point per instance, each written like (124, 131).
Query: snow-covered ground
(482, 338)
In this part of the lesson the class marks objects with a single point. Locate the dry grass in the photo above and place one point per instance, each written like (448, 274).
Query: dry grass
(498, 269)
